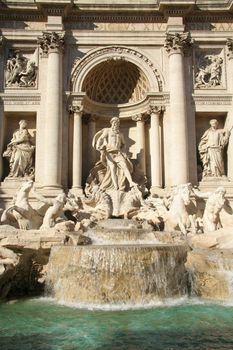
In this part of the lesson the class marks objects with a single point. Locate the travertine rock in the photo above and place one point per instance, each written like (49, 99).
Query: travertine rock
(99, 274)
(23, 262)
(211, 273)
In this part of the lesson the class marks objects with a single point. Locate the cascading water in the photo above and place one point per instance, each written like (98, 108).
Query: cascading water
(116, 272)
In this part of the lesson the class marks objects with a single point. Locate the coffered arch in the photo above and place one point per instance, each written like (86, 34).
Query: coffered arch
(134, 56)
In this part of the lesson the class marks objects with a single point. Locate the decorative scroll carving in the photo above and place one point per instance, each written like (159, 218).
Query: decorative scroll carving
(122, 51)
(178, 42)
(229, 44)
(51, 41)
(20, 71)
(209, 72)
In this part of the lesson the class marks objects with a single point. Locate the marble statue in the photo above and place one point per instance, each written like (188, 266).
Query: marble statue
(210, 72)
(114, 170)
(20, 213)
(211, 149)
(28, 77)
(178, 215)
(54, 211)
(20, 71)
(20, 153)
(133, 202)
(214, 204)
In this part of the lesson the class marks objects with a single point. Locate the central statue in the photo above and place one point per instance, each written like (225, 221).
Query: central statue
(113, 170)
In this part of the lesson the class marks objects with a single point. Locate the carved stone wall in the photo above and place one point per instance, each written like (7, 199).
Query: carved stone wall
(115, 60)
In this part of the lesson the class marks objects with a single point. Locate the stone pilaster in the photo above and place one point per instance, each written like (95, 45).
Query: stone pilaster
(229, 44)
(176, 45)
(91, 134)
(51, 44)
(2, 119)
(155, 146)
(77, 111)
(140, 141)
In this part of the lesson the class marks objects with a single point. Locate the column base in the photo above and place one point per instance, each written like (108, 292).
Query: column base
(50, 190)
(77, 191)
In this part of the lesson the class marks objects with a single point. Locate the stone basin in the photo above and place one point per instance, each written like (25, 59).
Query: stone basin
(121, 231)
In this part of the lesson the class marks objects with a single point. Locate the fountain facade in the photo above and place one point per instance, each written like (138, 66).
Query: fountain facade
(118, 143)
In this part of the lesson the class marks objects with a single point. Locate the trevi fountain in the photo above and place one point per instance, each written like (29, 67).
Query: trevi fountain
(116, 170)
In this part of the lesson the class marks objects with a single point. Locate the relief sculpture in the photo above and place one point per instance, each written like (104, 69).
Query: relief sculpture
(20, 71)
(209, 72)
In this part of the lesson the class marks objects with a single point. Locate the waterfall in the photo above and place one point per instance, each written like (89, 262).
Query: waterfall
(117, 273)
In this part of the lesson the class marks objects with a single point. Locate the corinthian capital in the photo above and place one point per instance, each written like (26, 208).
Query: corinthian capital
(75, 109)
(51, 41)
(138, 118)
(178, 42)
(154, 109)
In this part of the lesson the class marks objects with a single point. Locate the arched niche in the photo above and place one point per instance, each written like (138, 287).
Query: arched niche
(116, 80)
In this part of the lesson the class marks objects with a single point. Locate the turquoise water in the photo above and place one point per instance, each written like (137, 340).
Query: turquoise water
(42, 325)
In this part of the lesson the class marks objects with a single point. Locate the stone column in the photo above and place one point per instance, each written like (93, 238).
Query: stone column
(91, 134)
(230, 114)
(140, 141)
(51, 44)
(176, 45)
(155, 148)
(77, 149)
(2, 119)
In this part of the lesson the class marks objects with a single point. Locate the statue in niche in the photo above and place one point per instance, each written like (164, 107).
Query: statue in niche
(114, 169)
(20, 153)
(210, 72)
(21, 71)
(211, 149)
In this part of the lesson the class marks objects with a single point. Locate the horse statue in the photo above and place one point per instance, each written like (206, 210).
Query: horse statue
(20, 213)
(177, 216)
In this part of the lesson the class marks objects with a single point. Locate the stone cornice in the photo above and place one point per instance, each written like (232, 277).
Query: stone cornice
(212, 99)
(20, 99)
(40, 9)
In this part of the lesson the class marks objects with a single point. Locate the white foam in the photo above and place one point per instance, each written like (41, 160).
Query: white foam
(170, 302)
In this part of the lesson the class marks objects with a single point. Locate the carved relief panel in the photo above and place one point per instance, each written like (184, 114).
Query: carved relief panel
(21, 69)
(209, 69)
